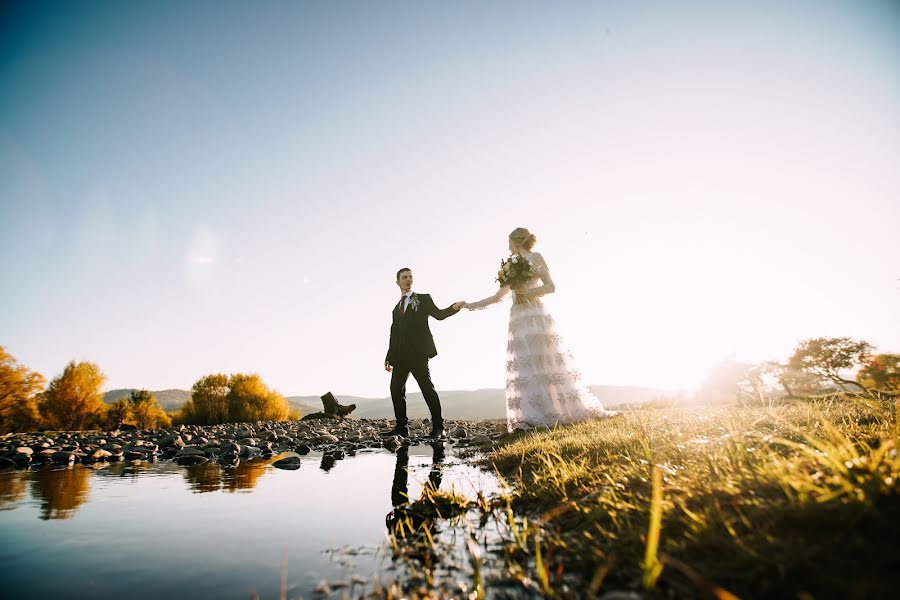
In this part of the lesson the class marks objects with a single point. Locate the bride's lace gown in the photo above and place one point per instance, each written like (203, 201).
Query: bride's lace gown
(543, 387)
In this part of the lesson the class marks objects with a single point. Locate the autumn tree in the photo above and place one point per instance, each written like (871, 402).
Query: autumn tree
(208, 403)
(800, 383)
(19, 389)
(240, 397)
(74, 400)
(118, 412)
(146, 411)
(249, 399)
(881, 372)
(830, 358)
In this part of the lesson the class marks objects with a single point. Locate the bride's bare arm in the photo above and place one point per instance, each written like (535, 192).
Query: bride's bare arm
(540, 267)
(503, 291)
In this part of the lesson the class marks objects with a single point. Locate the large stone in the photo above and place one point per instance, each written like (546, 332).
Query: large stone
(171, 440)
(290, 463)
(24, 450)
(230, 447)
(229, 460)
(100, 454)
(64, 457)
(191, 459)
(190, 452)
(6, 463)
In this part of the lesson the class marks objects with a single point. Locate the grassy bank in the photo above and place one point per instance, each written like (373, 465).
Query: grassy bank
(793, 500)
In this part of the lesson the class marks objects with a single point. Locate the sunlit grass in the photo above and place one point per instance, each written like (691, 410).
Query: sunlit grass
(754, 501)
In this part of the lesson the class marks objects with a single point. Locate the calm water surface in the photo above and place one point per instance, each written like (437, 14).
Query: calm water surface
(157, 530)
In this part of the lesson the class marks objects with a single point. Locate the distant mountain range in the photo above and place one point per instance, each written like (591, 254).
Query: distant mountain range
(457, 404)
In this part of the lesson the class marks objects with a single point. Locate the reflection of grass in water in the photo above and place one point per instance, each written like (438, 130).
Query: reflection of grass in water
(782, 499)
(61, 491)
(12, 488)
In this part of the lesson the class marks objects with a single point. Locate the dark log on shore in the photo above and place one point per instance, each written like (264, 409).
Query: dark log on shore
(333, 409)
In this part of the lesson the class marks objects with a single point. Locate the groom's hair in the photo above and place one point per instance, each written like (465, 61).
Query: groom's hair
(401, 271)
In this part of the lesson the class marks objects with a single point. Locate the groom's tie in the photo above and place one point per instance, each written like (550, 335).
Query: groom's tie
(403, 305)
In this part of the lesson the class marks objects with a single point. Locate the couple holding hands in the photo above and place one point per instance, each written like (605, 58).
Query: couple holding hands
(543, 388)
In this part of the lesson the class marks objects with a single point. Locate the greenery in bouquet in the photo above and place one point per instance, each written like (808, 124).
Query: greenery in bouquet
(515, 271)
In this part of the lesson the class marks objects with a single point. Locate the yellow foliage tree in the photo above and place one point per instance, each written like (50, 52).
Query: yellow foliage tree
(74, 400)
(209, 401)
(240, 397)
(118, 412)
(146, 411)
(251, 400)
(19, 389)
(881, 372)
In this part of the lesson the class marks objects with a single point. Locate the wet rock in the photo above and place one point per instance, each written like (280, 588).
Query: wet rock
(322, 588)
(229, 460)
(621, 595)
(190, 451)
(6, 463)
(302, 449)
(191, 459)
(132, 455)
(64, 457)
(24, 450)
(230, 447)
(100, 454)
(171, 440)
(480, 439)
(41, 459)
(290, 463)
(459, 432)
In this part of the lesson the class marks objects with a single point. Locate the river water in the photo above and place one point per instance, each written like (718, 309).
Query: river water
(153, 530)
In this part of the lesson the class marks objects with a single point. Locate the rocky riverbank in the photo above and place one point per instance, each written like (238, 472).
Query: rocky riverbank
(230, 443)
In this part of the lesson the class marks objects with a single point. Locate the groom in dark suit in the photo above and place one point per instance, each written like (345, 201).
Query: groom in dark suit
(409, 350)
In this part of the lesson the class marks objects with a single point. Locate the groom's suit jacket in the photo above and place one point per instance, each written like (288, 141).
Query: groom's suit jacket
(410, 335)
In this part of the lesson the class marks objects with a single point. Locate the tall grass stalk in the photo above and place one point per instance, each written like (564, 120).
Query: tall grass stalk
(652, 566)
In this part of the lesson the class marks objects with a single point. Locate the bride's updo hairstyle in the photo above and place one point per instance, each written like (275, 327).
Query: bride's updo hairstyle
(524, 238)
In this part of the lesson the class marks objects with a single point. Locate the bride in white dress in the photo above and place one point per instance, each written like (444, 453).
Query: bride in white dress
(542, 385)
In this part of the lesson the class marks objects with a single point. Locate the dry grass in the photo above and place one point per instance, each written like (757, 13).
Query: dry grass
(768, 501)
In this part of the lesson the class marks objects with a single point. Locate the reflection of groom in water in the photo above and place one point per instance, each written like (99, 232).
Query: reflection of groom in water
(410, 348)
(400, 485)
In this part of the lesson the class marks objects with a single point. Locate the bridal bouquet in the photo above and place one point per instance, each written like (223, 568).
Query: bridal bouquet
(515, 271)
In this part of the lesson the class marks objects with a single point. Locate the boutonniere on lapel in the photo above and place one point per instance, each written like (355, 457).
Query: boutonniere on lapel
(414, 302)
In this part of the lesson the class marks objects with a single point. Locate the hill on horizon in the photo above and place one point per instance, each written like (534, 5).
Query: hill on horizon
(456, 404)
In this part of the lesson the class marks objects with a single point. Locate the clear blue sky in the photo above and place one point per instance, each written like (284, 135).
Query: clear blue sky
(198, 187)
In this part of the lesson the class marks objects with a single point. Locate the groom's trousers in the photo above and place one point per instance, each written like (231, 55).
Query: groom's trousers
(418, 367)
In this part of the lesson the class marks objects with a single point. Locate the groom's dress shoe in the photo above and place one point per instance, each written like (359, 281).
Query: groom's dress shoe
(437, 433)
(398, 430)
